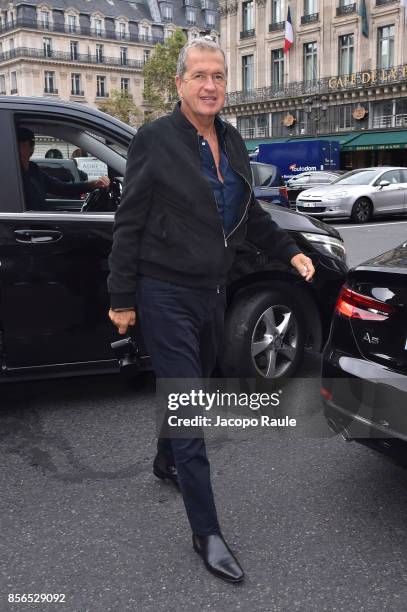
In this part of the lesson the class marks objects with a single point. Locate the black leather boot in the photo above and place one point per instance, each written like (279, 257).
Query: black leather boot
(218, 557)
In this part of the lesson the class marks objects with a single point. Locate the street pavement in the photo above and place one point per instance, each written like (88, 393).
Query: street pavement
(318, 524)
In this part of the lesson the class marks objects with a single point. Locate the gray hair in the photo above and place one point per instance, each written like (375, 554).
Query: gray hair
(204, 43)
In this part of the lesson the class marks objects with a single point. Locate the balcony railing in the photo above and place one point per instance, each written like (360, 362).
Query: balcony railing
(102, 94)
(13, 91)
(345, 9)
(50, 90)
(312, 18)
(34, 24)
(63, 56)
(390, 121)
(77, 93)
(276, 25)
(247, 33)
(383, 2)
(359, 80)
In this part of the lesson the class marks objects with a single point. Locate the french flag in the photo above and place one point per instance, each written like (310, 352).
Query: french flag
(289, 32)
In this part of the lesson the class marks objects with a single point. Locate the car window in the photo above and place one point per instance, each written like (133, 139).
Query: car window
(68, 154)
(357, 177)
(318, 177)
(393, 177)
(403, 175)
(266, 174)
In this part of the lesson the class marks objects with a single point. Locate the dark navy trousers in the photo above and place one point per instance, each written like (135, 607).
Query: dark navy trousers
(182, 328)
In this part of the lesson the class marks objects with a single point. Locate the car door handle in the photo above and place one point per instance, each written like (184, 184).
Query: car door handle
(32, 236)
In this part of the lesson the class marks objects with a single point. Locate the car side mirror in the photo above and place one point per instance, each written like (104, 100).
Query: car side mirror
(384, 184)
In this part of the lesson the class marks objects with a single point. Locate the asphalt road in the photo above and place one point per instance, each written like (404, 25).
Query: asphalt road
(317, 523)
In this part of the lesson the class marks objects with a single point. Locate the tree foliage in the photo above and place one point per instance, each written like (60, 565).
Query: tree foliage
(160, 91)
(122, 106)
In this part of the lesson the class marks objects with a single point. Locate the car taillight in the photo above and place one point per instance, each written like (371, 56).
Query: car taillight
(283, 192)
(357, 306)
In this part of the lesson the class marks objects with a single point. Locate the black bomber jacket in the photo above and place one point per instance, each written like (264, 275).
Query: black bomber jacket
(167, 225)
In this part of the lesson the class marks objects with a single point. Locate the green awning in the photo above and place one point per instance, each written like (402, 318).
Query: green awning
(377, 141)
(251, 145)
(341, 138)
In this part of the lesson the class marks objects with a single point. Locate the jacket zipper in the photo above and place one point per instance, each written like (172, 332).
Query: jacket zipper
(217, 210)
(250, 196)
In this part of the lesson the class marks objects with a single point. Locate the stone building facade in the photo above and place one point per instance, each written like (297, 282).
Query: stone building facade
(345, 75)
(81, 50)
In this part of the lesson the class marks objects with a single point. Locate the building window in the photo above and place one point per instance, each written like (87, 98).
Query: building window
(385, 47)
(123, 56)
(248, 16)
(124, 86)
(49, 82)
(76, 89)
(346, 54)
(277, 15)
(166, 11)
(143, 32)
(310, 62)
(345, 120)
(44, 19)
(277, 69)
(72, 23)
(122, 30)
(99, 54)
(13, 82)
(310, 7)
(47, 47)
(74, 50)
(253, 126)
(247, 72)
(100, 86)
(11, 45)
(146, 55)
(210, 18)
(2, 84)
(98, 27)
(190, 15)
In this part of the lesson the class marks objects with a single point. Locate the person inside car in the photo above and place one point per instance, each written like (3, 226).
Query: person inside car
(38, 183)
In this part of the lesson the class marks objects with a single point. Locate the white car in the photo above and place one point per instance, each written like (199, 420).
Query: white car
(359, 195)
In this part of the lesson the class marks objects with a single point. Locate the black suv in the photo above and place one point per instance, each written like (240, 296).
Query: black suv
(53, 297)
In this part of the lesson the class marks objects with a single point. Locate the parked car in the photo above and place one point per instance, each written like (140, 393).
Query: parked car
(364, 371)
(359, 195)
(306, 180)
(268, 184)
(53, 296)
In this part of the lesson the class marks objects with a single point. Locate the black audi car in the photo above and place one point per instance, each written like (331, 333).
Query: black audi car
(53, 296)
(364, 372)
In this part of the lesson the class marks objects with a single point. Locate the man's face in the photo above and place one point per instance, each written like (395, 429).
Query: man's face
(202, 88)
(25, 149)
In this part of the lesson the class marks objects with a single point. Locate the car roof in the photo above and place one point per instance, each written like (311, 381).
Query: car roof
(379, 168)
(38, 103)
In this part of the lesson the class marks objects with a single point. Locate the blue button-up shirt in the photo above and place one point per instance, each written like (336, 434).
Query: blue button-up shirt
(230, 193)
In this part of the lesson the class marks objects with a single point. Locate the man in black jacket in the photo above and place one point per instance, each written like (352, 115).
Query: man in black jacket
(187, 205)
(38, 183)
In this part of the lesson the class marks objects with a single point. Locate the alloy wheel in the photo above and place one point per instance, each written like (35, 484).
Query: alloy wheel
(274, 341)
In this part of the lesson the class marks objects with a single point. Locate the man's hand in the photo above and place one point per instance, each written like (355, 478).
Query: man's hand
(99, 183)
(303, 265)
(123, 320)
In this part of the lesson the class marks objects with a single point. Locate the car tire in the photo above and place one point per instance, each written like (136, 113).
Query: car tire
(264, 336)
(361, 211)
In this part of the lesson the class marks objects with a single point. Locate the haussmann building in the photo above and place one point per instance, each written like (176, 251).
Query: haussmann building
(344, 78)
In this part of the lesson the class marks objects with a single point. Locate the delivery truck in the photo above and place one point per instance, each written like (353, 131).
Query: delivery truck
(298, 156)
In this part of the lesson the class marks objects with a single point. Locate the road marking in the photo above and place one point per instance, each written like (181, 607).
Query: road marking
(361, 226)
